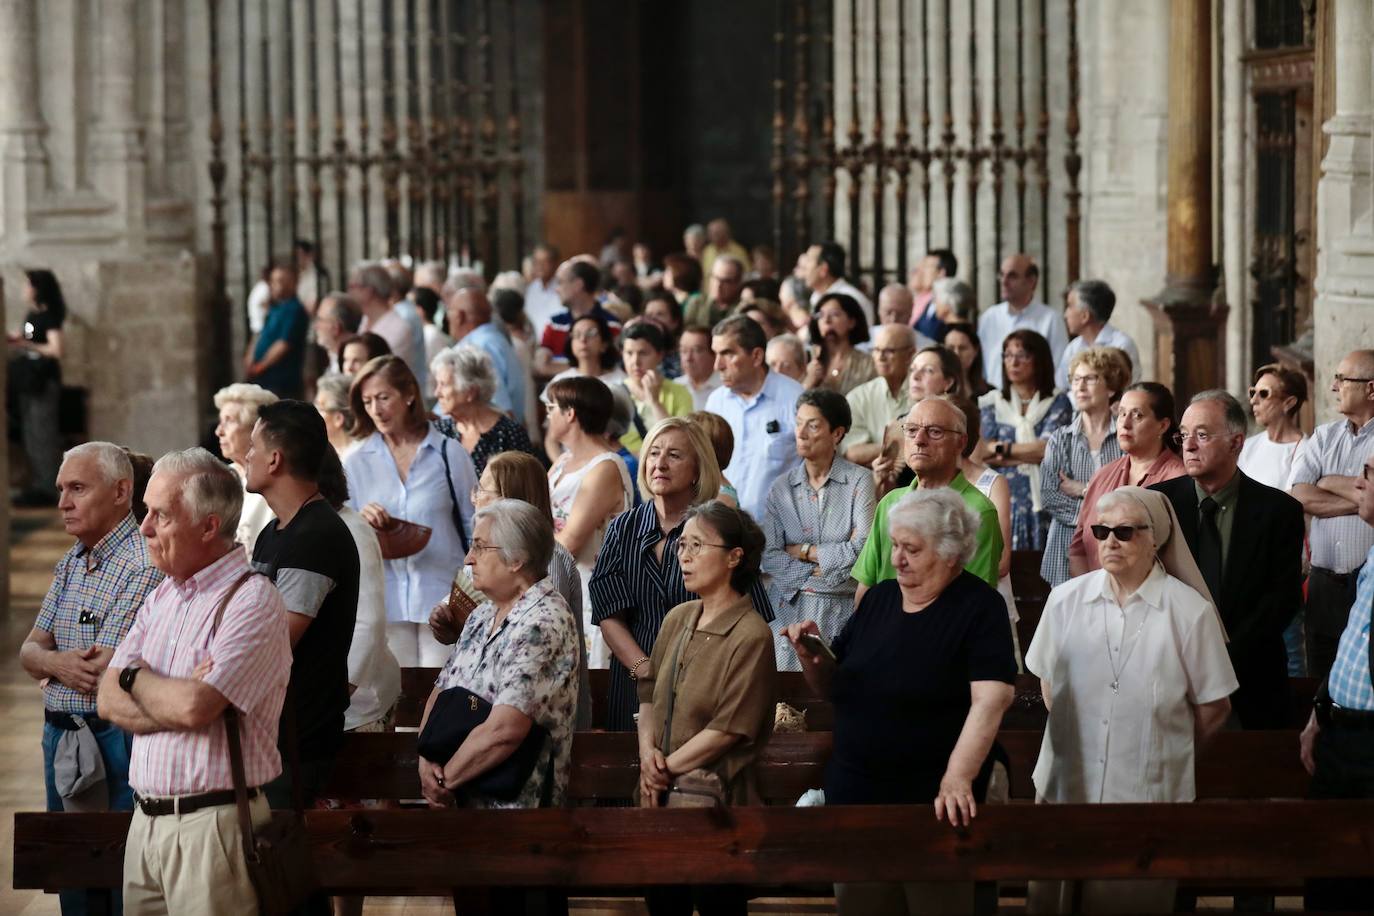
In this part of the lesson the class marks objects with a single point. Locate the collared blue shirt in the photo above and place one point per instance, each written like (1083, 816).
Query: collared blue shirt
(95, 594)
(764, 427)
(1349, 682)
(510, 390)
(416, 583)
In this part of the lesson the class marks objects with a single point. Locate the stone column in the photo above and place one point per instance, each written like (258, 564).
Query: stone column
(1343, 315)
(1188, 320)
(119, 155)
(22, 157)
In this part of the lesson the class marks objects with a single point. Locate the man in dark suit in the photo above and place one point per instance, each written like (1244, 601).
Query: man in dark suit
(1247, 540)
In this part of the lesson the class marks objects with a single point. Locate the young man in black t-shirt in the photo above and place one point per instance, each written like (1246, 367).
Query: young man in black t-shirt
(310, 555)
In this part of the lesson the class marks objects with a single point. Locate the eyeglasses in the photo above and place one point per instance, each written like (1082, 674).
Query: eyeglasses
(1085, 379)
(692, 548)
(1122, 532)
(933, 433)
(587, 335)
(477, 492)
(1342, 379)
(479, 546)
(1016, 356)
(1202, 436)
(1364, 472)
(1261, 393)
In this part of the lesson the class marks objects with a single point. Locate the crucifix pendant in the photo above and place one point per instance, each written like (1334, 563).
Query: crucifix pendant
(1116, 686)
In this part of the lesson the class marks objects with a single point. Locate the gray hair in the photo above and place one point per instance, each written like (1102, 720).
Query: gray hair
(249, 398)
(374, 278)
(334, 386)
(793, 343)
(522, 534)
(432, 271)
(955, 411)
(112, 461)
(509, 279)
(1096, 297)
(346, 310)
(1235, 414)
(1118, 500)
(696, 230)
(731, 259)
(955, 294)
(461, 279)
(208, 488)
(905, 331)
(471, 368)
(941, 518)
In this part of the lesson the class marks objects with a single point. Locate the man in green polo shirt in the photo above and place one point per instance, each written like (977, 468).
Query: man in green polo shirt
(935, 432)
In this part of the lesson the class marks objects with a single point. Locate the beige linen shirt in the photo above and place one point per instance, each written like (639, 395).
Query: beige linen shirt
(725, 682)
(1134, 744)
(873, 407)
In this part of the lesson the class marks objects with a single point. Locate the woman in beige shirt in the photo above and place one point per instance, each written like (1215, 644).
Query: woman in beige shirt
(713, 668)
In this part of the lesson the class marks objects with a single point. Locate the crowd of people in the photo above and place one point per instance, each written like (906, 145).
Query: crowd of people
(595, 462)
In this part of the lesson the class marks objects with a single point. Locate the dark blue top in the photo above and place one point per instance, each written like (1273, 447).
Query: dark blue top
(902, 693)
(286, 320)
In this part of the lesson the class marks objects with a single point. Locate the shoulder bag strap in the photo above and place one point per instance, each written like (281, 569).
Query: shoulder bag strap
(453, 496)
(231, 731)
(672, 690)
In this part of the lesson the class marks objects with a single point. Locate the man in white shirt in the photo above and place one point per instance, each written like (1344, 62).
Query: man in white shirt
(542, 301)
(699, 374)
(1018, 309)
(370, 287)
(825, 275)
(1087, 309)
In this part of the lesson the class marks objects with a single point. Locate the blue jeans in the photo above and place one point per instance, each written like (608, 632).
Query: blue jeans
(114, 748)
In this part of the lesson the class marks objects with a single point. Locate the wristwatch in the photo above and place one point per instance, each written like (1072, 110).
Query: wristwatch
(126, 678)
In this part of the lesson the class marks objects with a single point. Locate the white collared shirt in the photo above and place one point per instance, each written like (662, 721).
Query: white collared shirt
(997, 322)
(1339, 543)
(1107, 337)
(1166, 651)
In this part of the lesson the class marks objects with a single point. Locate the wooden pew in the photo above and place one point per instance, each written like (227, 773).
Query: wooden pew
(398, 851)
(1027, 710)
(1234, 766)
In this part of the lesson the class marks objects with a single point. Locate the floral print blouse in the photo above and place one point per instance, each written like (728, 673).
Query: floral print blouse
(529, 663)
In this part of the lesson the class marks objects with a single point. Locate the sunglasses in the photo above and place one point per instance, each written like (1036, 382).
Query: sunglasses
(1122, 532)
(1263, 393)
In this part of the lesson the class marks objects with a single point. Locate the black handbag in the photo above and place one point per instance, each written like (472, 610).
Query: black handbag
(457, 711)
(277, 854)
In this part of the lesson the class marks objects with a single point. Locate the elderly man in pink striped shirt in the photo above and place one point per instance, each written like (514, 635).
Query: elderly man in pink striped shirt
(170, 681)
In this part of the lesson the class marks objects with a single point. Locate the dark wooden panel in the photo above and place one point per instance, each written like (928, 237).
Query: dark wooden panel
(402, 850)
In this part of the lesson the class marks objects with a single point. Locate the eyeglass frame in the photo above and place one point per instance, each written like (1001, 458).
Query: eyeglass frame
(909, 431)
(684, 549)
(1342, 379)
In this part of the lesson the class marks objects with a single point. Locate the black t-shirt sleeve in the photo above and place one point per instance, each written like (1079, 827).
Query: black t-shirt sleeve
(310, 564)
(990, 653)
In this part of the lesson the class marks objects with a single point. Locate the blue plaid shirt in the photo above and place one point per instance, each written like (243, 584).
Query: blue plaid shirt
(94, 596)
(1349, 683)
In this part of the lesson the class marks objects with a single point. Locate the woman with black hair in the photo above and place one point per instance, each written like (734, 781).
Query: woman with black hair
(35, 379)
(836, 331)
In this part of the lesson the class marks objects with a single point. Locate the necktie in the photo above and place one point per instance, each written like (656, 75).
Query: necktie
(1209, 548)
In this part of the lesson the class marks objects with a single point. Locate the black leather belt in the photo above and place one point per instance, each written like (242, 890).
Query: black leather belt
(67, 720)
(1329, 715)
(185, 804)
(1340, 578)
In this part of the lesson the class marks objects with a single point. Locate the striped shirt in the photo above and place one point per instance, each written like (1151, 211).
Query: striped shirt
(252, 662)
(1349, 683)
(1340, 543)
(836, 519)
(629, 582)
(1068, 451)
(92, 601)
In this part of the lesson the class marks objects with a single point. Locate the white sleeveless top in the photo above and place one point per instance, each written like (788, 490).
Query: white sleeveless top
(563, 488)
(984, 484)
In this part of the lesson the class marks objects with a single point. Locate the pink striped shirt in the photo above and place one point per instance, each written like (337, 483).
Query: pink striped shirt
(252, 663)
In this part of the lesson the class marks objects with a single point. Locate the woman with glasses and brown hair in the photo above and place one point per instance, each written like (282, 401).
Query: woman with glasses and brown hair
(406, 469)
(1018, 422)
(1276, 398)
(638, 578)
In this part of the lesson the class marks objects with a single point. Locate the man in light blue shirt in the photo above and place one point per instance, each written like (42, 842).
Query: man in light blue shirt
(469, 322)
(1087, 309)
(1019, 276)
(760, 407)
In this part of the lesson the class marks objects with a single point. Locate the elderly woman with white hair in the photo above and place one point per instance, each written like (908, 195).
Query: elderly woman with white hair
(518, 652)
(331, 400)
(465, 380)
(920, 677)
(238, 407)
(1133, 665)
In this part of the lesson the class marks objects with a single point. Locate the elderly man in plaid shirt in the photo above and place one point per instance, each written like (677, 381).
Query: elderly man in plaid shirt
(170, 682)
(96, 589)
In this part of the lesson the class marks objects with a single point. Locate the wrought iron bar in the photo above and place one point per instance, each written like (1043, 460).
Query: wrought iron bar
(416, 157)
(441, 214)
(947, 152)
(973, 153)
(877, 153)
(245, 152)
(221, 311)
(801, 127)
(291, 139)
(1020, 155)
(854, 161)
(488, 154)
(902, 153)
(1072, 161)
(390, 160)
(1042, 141)
(830, 152)
(777, 162)
(266, 161)
(513, 132)
(463, 133)
(312, 126)
(340, 157)
(925, 125)
(997, 149)
(363, 160)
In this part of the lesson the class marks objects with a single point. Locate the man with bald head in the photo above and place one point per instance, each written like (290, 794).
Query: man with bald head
(1018, 309)
(1325, 472)
(877, 402)
(469, 322)
(895, 306)
(935, 432)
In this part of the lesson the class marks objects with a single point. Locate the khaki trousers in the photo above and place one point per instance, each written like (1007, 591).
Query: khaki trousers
(191, 863)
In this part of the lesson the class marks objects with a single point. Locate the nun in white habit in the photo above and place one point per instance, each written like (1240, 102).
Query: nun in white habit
(1133, 666)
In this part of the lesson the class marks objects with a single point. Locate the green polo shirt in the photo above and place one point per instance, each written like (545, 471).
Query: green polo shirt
(676, 399)
(1225, 499)
(875, 560)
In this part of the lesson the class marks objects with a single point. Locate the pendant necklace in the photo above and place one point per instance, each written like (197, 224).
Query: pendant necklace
(1127, 650)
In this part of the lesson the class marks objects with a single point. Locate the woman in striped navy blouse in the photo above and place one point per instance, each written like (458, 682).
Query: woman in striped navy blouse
(637, 578)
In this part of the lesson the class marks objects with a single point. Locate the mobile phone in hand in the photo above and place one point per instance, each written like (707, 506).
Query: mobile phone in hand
(817, 646)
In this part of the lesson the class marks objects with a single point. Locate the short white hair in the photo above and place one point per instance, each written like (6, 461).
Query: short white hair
(510, 279)
(939, 517)
(110, 459)
(460, 279)
(955, 411)
(1118, 500)
(522, 534)
(208, 487)
(248, 398)
(905, 331)
(793, 343)
(471, 368)
(954, 294)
